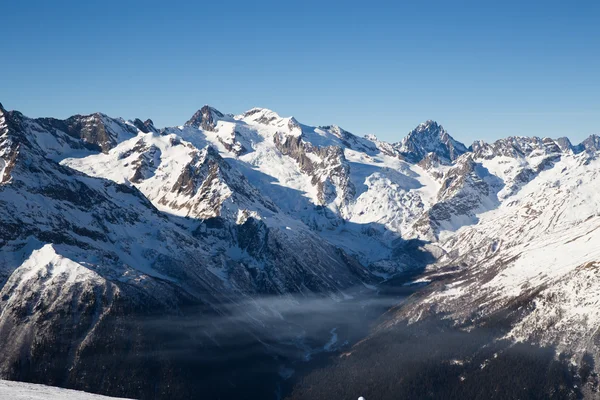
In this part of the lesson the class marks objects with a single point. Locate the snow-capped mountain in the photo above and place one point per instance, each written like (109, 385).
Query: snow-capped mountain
(430, 137)
(516, 284)
(538, 245)
(108, 225)
(517, 221)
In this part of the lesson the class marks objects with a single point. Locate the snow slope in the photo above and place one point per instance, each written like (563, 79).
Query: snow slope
(538, 247)
(31, 391)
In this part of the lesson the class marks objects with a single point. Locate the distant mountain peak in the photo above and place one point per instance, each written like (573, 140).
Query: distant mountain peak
(519, 146)
(430, 137)
(590, 144)
(427, 128)
(564, 143)
(146, 126)
(429, 123)
(262, 115)
(205, 118)
(256, 110)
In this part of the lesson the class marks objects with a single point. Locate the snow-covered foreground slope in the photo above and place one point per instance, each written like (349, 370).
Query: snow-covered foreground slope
(31, 391)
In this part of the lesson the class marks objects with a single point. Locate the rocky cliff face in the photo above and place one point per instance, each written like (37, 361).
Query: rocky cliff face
(326, 166)
(205, 118)
(9, 147)
(430, 137)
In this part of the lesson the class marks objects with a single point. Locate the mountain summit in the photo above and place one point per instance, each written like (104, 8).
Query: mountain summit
(205, 118)
(430, 137)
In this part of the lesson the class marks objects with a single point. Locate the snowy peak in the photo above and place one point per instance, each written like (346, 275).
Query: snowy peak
(591, 144)
(519, 147)
(564, 144)
(430, 137)
(203, 171)
(262, 116)
(205, 118)
(100, 130)
(97, 132)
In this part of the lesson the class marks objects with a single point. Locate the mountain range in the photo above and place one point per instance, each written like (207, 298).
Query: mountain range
(219, 256)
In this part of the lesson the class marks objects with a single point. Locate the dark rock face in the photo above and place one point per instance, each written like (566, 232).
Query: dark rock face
(205, 118)
(95, 131)
(9, 144)
(564, 144)
(145, 164)
(591, 144)
(208, 181)
(466, 188)
(200, 177)
(233, 144)
(550, 146)
(146, 126)
(10, 152)
(430, 137)
(431, 162)
(331, 175)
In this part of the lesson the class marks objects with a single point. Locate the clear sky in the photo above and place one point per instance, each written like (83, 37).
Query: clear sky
(483, 69)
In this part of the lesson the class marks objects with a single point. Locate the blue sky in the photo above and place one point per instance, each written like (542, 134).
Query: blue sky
(482, 69)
